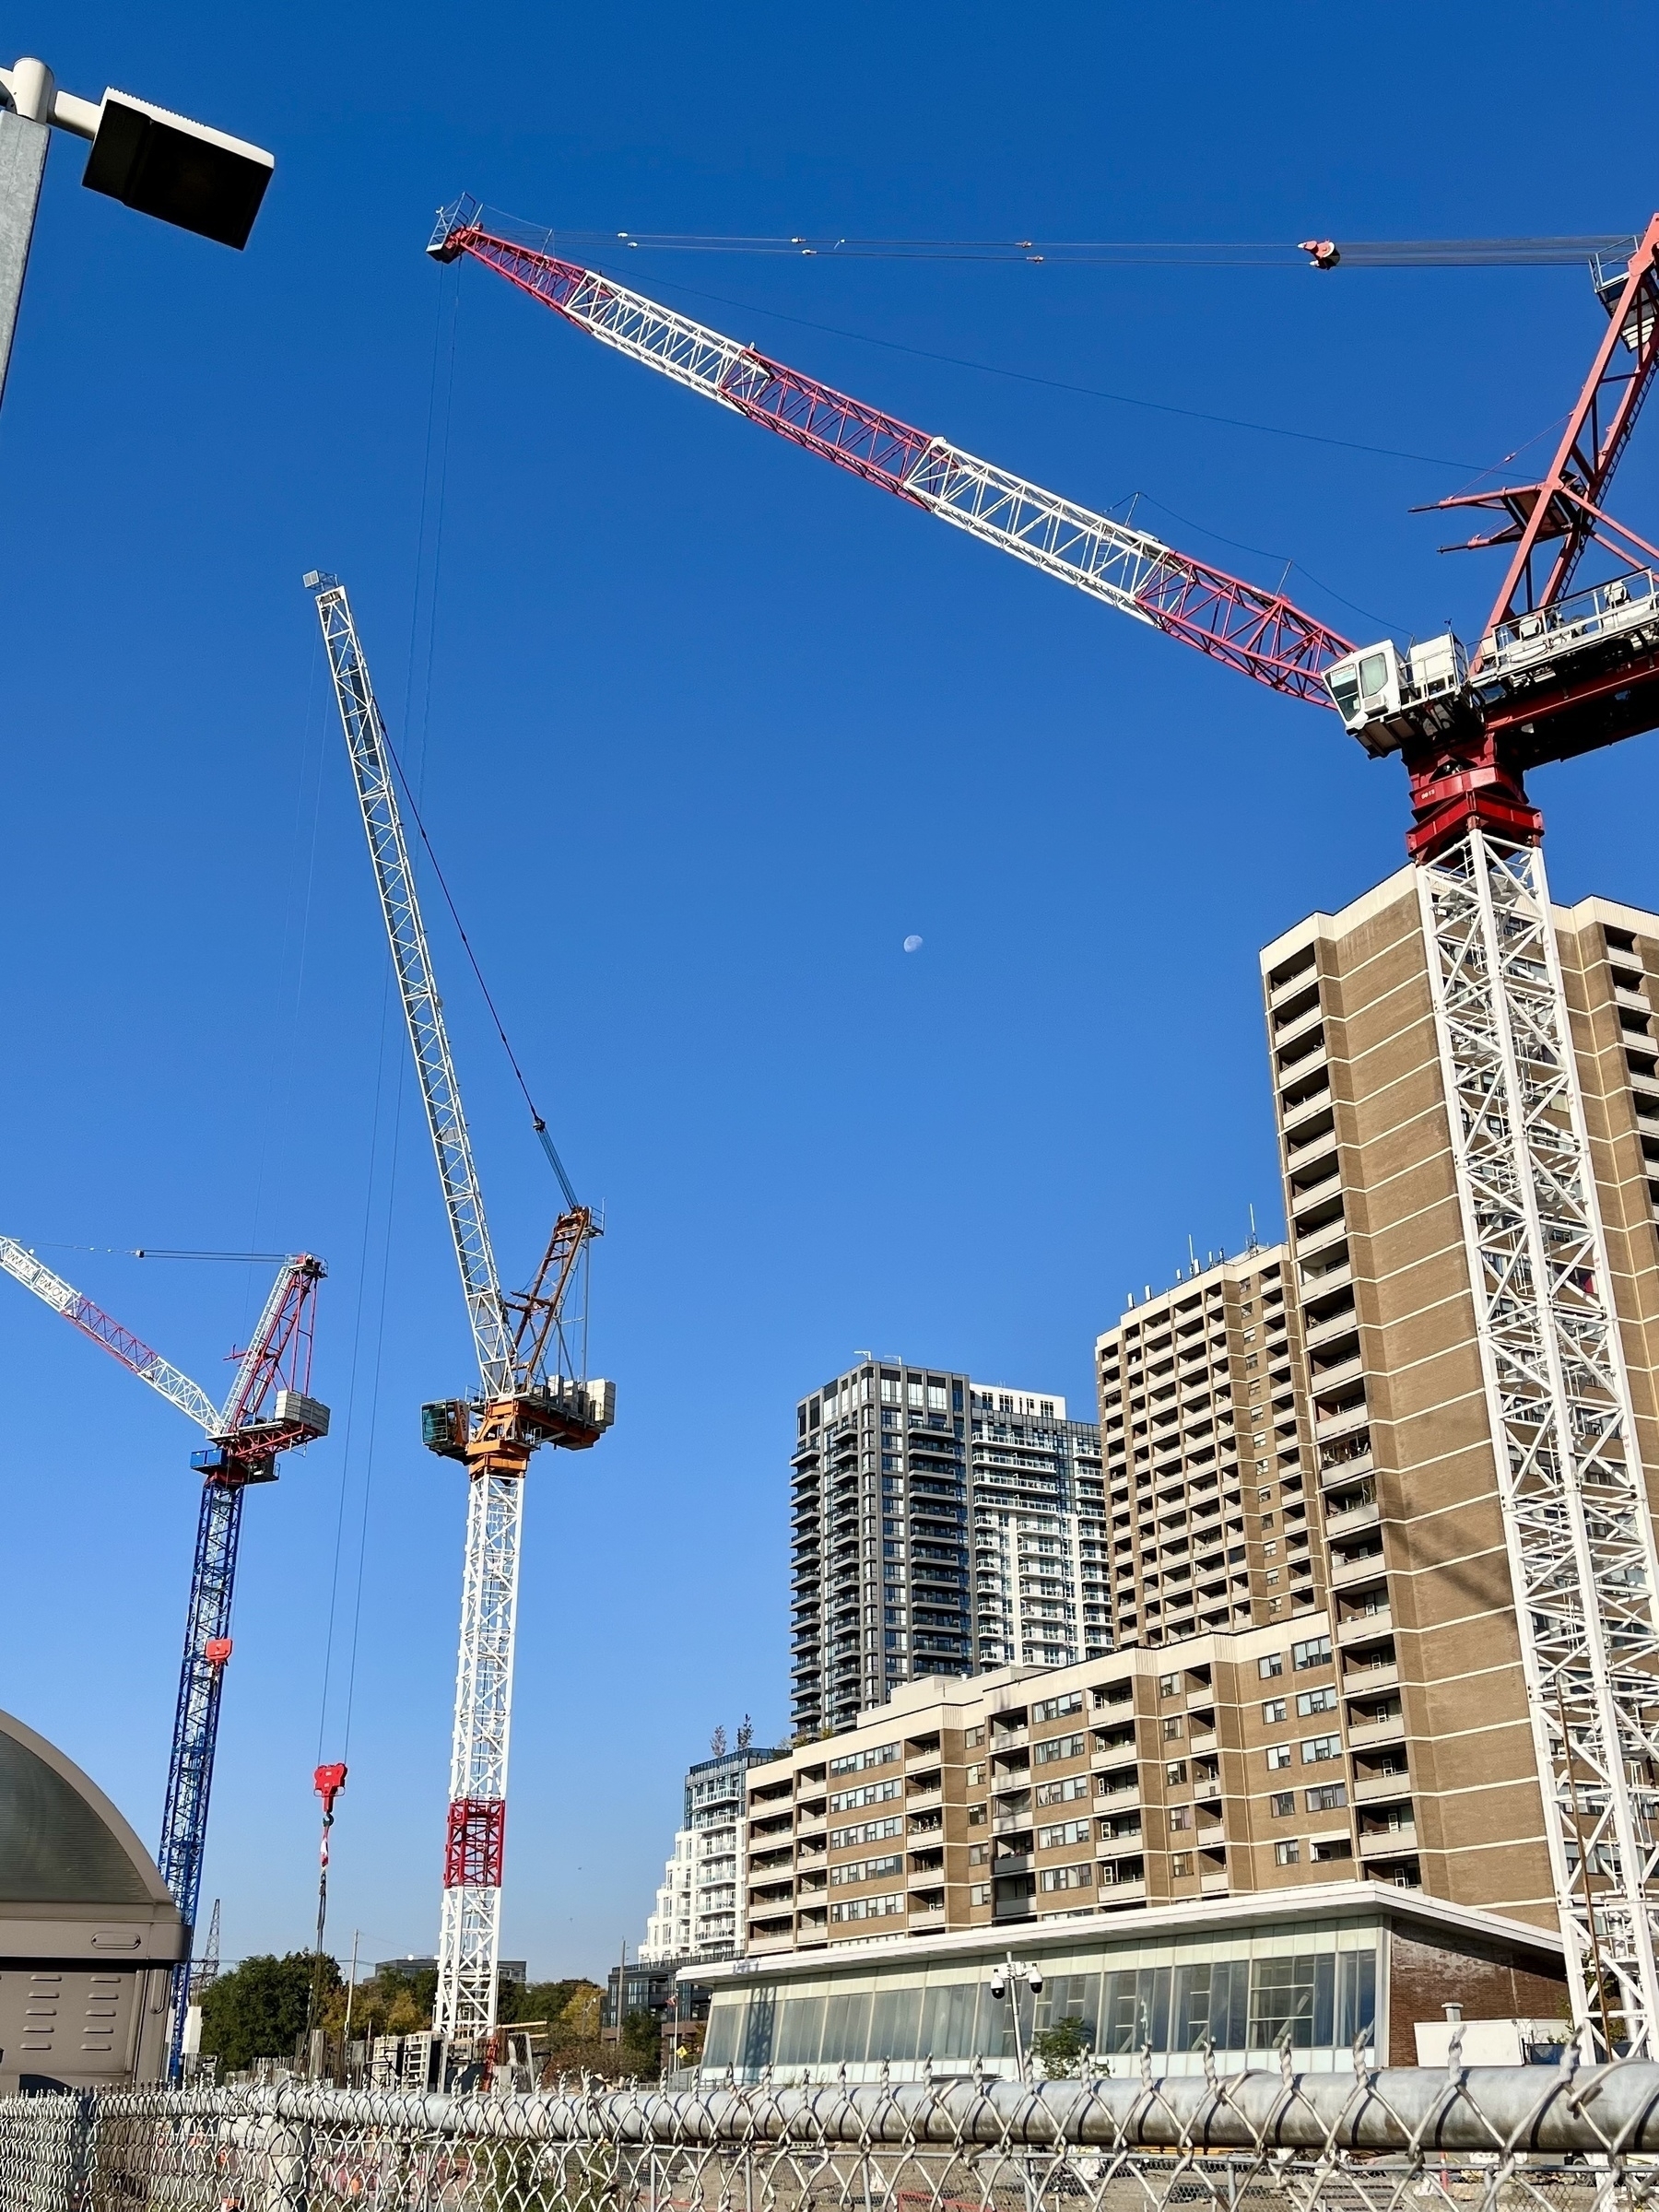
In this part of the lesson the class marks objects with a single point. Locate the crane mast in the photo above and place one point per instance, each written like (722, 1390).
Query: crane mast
(268, 1411)
(526, 1396)
(1557, 673)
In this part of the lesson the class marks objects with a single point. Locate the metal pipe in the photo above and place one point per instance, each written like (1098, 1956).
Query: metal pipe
(1557, 2110)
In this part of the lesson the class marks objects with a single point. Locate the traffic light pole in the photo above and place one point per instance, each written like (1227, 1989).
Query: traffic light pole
(152, 160)
(23, 145)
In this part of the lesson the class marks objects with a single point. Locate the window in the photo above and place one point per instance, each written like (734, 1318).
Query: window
(1316, 1652)
(1317, 1748)
(971, 1737)
(846, 1801)
(1283, 1803)
(1058, 1746)
(1316, 1700)
(1181, 1864)
(1175, 1773)
(1330, 1797)
(979, 1893)
(1066, 1877)
(976, 1775)
(1172, 1727)
(1056, 1709)
(978, 1854)
(1064, 1832)
(883, 1754)
(1273, 1710)
(867, 1908)
(1279, 1755)
(1332, 1847)
(1064, 1791)
(976, 1816)
(1180, 1819)
(867, 1870)
(1271, 1664)
(1169, 1685)
(867, 1832)
(1288, 1853)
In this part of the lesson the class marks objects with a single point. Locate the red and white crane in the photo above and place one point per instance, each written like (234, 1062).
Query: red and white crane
(1556, 672)
(532, 1389)
(269, 1410)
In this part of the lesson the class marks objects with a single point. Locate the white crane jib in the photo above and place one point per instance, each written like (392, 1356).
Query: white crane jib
(528, 1394)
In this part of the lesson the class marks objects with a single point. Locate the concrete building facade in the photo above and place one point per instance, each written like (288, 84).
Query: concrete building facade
(1207, 1454)
(700, 1903)
(1406, 1462)
(939, 1526)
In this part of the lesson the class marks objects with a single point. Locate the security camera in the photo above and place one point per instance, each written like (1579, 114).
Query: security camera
(1034, 1983)
(999, 1985)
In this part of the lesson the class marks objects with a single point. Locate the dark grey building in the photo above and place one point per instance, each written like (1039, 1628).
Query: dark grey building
(940, 1526)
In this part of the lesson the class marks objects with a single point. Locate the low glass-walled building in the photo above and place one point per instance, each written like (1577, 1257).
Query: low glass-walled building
(1350, 1962)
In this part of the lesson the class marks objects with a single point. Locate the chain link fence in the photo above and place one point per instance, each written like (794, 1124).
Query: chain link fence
(1523, 2139)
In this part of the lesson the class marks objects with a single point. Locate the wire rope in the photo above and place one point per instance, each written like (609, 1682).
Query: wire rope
(1055, 383)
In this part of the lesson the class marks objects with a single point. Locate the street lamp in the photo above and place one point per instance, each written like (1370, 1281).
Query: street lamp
(147, 158)
(1003, 1980)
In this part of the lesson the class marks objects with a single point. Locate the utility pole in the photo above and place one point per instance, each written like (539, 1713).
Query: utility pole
(159, 163)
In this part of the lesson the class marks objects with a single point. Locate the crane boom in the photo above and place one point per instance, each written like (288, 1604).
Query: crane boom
(132, 1351)
(372, 770)
(1260, 633)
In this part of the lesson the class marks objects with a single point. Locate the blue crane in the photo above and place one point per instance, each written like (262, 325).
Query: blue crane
(268, 1411)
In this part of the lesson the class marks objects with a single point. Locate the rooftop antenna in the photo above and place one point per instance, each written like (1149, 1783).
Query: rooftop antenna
(1255, 1243)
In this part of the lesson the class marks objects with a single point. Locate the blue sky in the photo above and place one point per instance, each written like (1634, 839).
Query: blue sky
(705, 730)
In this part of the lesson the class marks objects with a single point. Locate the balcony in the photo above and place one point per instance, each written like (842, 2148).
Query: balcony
(1346, 1520)
(1353, 1572)
(1382, 1789)
(1324, 1332)
(1385, 1843)
(1362, 1627)
(1363, 1734)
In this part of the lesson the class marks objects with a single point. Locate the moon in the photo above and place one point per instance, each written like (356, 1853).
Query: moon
(913, 944)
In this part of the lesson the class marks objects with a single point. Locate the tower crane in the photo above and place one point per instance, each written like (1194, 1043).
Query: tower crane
(531, 1387)
(269, 1410)
(1559, 670)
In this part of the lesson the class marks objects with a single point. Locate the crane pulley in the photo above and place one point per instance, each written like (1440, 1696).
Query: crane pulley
(531, 1391)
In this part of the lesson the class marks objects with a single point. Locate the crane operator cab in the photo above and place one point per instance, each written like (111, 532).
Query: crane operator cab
(1386, 697)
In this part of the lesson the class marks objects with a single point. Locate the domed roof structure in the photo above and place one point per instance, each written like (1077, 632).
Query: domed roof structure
(87, 1929)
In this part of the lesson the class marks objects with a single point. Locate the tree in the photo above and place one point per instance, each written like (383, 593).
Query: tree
(537, 2000)
(642, 2043)
(1062, 2050)
(258, 2010)
(717, 1742)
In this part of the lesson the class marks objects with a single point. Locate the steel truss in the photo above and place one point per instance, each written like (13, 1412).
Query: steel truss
(470, 1933)
(372, 769)
(469, 1937)
(195, 1721)
(1260, 633)
(1574, 1499)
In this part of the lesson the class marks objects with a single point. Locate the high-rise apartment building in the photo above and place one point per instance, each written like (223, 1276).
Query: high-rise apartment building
(940, 1525)
(1206, 1456)
(700, 1903)
(1414, 1422)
